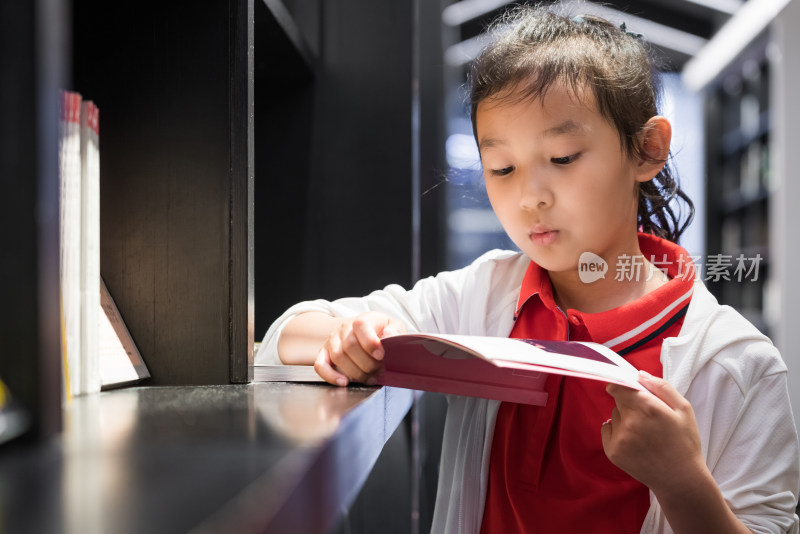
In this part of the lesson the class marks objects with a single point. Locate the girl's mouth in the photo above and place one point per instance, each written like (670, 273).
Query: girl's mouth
(543, 236)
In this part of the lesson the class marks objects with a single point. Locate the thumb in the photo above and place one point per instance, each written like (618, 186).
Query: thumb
(661, 389)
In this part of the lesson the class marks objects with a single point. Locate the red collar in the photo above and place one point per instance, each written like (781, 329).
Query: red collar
(627, 326)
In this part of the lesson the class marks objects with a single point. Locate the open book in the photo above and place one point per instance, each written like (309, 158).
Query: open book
(505, 369)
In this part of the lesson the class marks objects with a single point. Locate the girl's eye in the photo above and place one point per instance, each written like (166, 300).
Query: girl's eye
(566, 160)
(502, 172)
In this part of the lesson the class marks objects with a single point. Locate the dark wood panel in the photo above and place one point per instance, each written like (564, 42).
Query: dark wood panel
(359, 230)
(433, 163)
(284, 107)
(33, 54)
(242, 300)
(334, 188)
(333, 157)
(173, 140)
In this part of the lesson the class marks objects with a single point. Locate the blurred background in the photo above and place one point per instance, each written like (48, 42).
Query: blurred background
(675, 32)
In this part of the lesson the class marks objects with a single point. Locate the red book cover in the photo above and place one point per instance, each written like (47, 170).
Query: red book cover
(506, 369)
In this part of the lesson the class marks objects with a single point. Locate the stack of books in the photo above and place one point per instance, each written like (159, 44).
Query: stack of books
(98, 351)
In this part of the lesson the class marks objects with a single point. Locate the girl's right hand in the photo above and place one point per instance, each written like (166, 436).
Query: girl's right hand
(354, 351)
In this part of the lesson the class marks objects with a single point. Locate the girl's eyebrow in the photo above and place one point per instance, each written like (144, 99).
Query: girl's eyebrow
(491, 142)
(567, 127)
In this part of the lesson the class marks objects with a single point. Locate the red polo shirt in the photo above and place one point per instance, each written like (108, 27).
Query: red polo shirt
(548, 472)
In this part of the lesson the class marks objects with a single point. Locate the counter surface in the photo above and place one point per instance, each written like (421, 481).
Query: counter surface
(262, 457)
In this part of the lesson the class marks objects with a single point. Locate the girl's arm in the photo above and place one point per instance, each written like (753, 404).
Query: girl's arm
(303, 337)
(341, 349)
(654, 438)
(477, 299)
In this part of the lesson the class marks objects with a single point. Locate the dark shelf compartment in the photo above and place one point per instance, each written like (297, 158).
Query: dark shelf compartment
(284, 37)
(735, 201)
(174, 90)
(737, 140)
(738, 193)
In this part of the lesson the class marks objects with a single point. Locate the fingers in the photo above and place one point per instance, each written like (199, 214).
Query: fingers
(657, 395)
(348, 357)
(652, 435)
(325, 370)
(627, 398)
(365, 343)
(354, 349)
(663, 390)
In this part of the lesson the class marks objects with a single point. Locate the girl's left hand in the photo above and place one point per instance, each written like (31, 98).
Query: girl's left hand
(654, 438)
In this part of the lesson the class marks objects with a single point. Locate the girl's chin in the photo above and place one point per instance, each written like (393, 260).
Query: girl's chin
(552, 263)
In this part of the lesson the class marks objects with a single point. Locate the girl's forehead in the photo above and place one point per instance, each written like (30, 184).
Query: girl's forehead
(558, 99)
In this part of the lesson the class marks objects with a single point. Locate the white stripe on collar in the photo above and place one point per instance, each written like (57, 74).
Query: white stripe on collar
(647, 324)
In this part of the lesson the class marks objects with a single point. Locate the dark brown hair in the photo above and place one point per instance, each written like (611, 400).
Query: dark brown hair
(531, 48)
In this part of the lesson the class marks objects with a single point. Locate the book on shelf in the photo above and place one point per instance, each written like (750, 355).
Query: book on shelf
(285, 373)
(266, 372)
(505, 369)
(94, 337)
(120, 362)
(70, 238)
(90, 247)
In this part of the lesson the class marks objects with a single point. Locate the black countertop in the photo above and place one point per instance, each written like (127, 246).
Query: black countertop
(263, 457)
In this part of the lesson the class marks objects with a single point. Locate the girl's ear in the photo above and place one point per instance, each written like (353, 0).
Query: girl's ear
(654, 142)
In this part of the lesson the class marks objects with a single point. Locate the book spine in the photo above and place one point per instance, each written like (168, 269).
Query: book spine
(90, 246)
(70, 243)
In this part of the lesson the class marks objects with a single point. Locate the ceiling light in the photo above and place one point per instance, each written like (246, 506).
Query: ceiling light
(730, 41)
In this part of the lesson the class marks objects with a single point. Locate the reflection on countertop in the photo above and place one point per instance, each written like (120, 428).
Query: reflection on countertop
(213, 458)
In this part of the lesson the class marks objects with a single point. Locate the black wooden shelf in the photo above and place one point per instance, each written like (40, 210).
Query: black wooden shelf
(737, 200)
(738, 126)
(174, 87)
(258, 458)
(281, 26)
(737, 140)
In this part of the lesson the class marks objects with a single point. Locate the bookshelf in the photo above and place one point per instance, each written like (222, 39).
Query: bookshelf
(750, 60)
(253, 153)
(175, 89)
(32, 36)
(739, 146)
(174, 85)
(341, 208)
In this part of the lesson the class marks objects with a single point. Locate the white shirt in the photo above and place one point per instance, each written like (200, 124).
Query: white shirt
(731, 374)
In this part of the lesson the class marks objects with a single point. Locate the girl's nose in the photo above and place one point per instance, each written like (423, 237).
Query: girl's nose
(535, 193)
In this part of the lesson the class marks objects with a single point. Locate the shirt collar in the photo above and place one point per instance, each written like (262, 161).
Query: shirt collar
(634, 321)
(536, 282)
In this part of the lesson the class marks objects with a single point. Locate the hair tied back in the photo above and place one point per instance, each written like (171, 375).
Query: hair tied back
(624, 29)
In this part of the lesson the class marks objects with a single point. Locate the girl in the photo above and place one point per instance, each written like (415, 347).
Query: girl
(574, 159)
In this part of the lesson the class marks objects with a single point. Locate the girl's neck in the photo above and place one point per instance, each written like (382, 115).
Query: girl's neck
(624, 282)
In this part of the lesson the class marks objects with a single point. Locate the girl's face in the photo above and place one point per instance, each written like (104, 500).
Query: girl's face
(558, 179)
